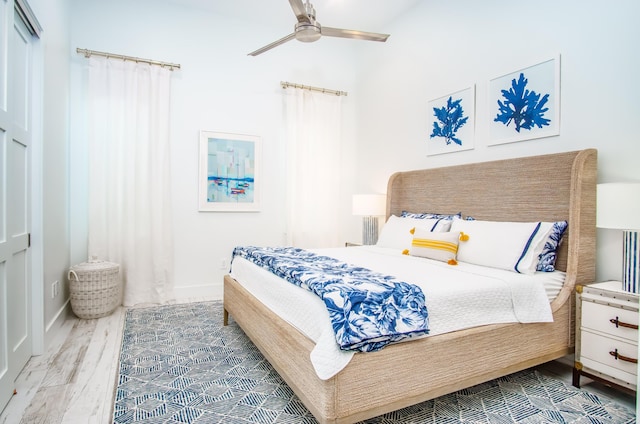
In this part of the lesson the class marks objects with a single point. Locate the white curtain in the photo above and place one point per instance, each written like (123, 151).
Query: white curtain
(129, 175)
(313, 152)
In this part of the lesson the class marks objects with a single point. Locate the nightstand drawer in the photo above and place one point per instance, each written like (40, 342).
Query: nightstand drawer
(598, 317)
(595, 347)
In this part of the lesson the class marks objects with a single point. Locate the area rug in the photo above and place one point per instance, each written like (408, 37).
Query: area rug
(179, 364)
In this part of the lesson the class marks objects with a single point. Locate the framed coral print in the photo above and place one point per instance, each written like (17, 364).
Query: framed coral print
(452, 122)
(229, 177)
(525, 104)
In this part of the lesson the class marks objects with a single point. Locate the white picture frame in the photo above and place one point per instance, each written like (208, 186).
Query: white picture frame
(229, 172)
(452, 122)
(525, 104)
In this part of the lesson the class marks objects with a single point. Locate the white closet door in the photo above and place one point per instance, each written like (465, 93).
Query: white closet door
(15, 140)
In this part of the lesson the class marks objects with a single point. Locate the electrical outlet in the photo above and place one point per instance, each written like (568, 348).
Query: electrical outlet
(223, 263)
(55, 288)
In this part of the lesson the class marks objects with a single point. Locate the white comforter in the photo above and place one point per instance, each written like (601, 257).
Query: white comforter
(458, 297)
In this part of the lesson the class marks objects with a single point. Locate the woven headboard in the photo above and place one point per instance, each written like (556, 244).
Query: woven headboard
(552, 187)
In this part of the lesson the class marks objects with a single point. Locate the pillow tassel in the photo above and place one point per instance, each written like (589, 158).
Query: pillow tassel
(405, 252)
(463, 236)
(452, 262)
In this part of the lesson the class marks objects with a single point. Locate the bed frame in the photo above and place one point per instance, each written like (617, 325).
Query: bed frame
(538, 188)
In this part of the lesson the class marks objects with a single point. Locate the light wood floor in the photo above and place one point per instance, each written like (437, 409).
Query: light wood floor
(74, 382)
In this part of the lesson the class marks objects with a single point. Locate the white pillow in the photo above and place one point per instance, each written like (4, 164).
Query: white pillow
(396, 233)
(513, 246)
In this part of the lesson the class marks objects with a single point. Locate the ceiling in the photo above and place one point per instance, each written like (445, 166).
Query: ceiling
(364, 15)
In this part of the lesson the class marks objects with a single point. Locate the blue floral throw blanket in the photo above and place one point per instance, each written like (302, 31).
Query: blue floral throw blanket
(368, 310)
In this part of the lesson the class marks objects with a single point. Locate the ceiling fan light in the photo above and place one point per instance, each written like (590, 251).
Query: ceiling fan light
(308, 33)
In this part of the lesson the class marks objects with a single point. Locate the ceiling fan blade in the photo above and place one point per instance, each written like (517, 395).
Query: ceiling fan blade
(300, 11)
(272, 45)
(350, 33)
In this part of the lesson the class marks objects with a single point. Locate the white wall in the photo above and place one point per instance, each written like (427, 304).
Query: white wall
(51, 231)
(436, 49)
(218, 88)
(442, 47)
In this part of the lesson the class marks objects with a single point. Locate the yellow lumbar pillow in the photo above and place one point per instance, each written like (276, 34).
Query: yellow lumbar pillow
(438, 246)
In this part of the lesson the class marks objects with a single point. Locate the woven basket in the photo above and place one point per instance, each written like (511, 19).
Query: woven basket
(95, 288)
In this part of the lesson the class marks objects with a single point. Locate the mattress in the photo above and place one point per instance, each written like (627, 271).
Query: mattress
(457, 297)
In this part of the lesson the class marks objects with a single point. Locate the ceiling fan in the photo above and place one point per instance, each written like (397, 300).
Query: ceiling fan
(307, 29)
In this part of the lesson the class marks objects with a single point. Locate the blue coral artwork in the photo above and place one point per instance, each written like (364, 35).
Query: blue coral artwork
(525, 104)
(452, 122)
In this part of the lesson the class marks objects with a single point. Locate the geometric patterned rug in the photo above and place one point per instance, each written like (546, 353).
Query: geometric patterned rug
(179, 364)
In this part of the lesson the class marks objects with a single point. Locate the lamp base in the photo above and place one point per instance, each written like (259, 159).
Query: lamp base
(369, 230)
(630, 262)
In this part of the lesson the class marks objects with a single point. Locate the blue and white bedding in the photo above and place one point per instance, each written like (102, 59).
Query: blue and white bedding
(368, 310)
(457, 297)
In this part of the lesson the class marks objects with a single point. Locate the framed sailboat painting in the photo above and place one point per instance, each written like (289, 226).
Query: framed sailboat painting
(229, 176)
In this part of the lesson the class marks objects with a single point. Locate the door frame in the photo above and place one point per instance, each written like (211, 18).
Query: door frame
(36, 249)
(37, 244)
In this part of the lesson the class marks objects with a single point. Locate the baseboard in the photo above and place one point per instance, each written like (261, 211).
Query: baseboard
(52, 327)
(208, 291)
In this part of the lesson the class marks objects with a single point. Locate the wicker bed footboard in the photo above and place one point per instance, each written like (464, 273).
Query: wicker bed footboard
(412, 372)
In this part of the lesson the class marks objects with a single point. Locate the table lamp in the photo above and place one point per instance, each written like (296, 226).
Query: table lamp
(370, 207)
(618, 207)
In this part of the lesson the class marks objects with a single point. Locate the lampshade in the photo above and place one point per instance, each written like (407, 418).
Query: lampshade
(618, 206)
(369, 204)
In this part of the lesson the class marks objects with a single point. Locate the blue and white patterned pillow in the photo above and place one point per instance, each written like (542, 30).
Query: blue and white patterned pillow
(429, 215)
(547, 259)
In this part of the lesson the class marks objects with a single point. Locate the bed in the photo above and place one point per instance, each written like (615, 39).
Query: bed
(550, 187)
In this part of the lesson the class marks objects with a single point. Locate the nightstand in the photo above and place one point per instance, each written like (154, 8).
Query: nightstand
(606, 335)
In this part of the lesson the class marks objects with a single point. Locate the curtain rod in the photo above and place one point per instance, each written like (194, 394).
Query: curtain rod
(308, 87)
(89, 53)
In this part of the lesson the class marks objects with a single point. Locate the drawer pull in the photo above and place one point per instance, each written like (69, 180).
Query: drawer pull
(622, 357)
(619, 323)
